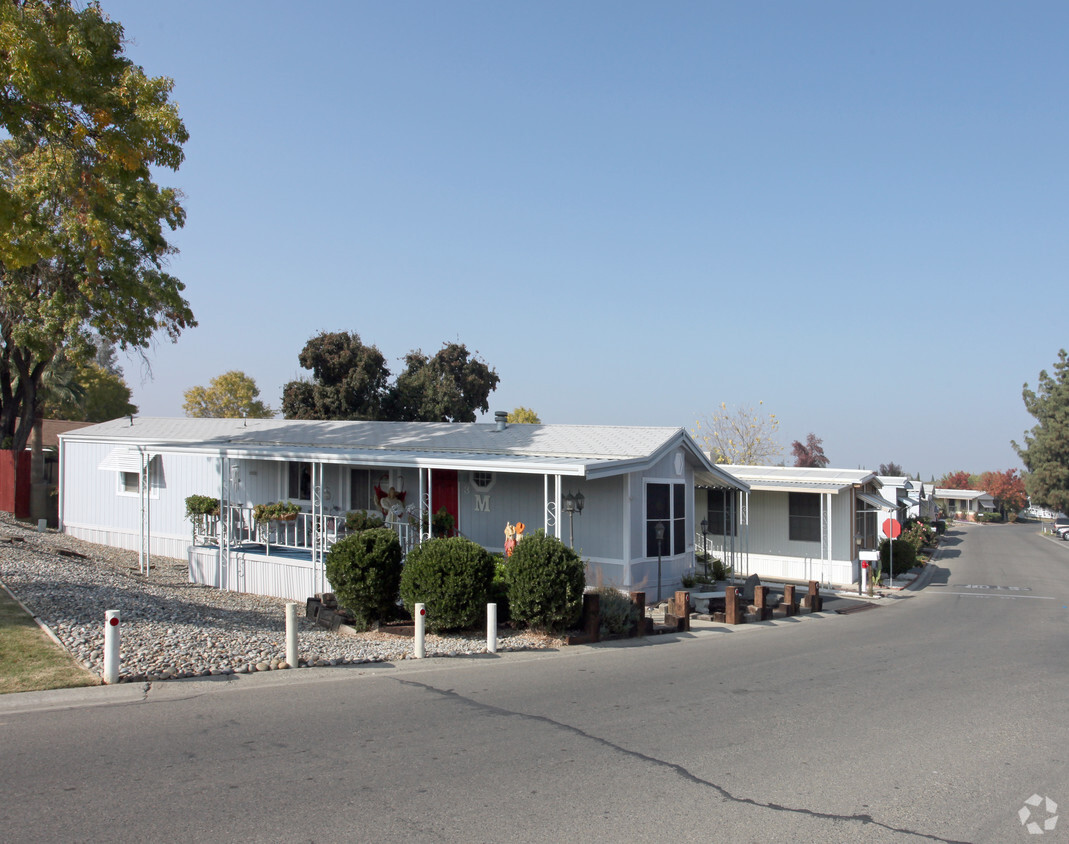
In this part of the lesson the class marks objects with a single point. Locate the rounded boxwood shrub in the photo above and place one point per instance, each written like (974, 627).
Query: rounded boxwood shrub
(499, 590)
(364, 570)
(905, 555)
(546, 579)
(452, 576)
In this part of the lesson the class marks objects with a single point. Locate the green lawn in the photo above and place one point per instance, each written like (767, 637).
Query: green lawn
(29, 660)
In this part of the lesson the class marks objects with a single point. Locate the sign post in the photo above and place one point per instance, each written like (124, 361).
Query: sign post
(892, 529)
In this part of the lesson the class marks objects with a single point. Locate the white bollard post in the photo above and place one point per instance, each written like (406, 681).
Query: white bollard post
(111, 647)
(491, 628)
(291, 634)
(419, 645)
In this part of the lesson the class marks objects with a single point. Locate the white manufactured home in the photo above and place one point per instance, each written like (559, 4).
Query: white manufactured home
(622, 496)
(798, 524)
(966, 504)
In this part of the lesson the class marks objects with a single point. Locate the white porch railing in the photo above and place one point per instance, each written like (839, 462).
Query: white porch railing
(295, 534)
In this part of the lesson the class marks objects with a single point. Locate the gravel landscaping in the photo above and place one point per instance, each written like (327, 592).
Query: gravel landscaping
(172, 628)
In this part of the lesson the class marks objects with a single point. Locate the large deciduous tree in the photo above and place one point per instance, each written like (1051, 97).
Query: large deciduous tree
(891, 470)
(809, 454)
(1007, 488)
(351, 381)
(83, 390)
(740, 436)
(957, 480)
(231, 395)
(449, 387)
(82, 223)
(1045, 452)
(523, 415)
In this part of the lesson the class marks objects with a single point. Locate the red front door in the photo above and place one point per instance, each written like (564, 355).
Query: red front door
(445, 492)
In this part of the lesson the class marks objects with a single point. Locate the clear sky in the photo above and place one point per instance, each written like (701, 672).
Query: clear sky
(854, 212)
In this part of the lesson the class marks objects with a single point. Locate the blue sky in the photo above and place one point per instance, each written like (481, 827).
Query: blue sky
(853, 212)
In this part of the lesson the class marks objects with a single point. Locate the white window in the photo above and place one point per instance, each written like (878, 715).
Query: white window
(482, 481)
(129, 483)
(360, 490)
(666, 507)
(300, 482)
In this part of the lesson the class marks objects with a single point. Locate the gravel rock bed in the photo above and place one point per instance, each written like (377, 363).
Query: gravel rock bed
(172, 628)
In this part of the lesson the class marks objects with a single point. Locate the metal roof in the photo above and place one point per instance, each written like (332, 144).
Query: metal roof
(961, 494)
(797, 479)
(877, 502)
(585, 450)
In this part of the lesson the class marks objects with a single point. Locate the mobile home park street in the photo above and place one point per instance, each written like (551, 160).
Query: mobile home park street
(937, 717)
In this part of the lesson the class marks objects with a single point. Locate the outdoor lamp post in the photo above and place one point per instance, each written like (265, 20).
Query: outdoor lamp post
(658, 530)
(573, 503)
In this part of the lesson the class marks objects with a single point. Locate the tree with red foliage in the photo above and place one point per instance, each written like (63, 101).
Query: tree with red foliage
(956, 480)
(809, 455)
(1007, 488)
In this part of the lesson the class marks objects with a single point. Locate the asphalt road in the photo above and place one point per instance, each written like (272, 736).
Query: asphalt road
(932, 718)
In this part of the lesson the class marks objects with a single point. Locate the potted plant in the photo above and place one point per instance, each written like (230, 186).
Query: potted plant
(201, 505)
(285, 511)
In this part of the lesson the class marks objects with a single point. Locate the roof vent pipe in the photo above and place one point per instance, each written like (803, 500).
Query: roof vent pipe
(501, 418)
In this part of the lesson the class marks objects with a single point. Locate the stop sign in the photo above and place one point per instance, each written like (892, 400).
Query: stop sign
(892, 528)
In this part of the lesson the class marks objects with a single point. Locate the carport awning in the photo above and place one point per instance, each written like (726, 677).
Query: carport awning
(123, 459)
(876, 501)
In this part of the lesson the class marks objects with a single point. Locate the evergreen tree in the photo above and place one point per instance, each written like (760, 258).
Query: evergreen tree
(1046, 447)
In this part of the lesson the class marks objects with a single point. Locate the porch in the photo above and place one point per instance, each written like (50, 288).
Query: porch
(285, 558)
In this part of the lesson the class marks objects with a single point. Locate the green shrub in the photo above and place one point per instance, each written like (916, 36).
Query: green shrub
(364, 570)
(618, 614)
(721, 571)
(287, 510)
(499, 590)
(917, 534)
(358, 520)
(201, 505)
(452, 576)
(989, 517)
(905, 557)
(546, 580)
(442, 524)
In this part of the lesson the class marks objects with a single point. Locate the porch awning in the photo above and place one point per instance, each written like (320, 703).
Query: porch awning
(124, 459)
(876, 501)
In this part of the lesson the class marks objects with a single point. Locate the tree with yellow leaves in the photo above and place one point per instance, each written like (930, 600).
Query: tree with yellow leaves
(739, 435)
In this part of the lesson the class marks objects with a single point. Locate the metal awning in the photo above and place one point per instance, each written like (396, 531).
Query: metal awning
(876, 501)
(123, 459)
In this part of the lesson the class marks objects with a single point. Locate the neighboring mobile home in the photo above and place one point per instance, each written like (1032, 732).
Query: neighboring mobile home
(912, 498)
(964, 504)
(799, 524)
(125, 482)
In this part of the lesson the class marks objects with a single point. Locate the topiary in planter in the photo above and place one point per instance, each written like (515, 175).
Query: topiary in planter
(452, 576)
(364, 570)
(546, 580)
